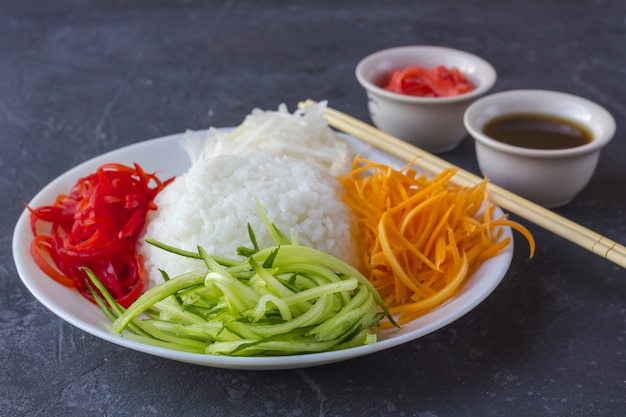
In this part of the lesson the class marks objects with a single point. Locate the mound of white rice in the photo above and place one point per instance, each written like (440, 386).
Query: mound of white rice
(213, 202)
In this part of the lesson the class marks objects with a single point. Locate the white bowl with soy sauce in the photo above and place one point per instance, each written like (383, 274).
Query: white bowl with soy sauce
(542, 145)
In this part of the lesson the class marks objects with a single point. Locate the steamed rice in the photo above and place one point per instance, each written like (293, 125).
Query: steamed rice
(213, 202)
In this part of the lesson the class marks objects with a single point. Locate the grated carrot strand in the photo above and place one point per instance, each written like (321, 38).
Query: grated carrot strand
(423, 236)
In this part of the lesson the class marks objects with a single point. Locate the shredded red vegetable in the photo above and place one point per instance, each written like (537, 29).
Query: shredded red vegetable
(96, 226)
(429, 82)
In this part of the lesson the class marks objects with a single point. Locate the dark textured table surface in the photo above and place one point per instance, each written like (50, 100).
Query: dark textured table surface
(79, 78)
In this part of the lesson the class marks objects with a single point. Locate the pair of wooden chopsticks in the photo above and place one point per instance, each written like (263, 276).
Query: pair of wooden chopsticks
(507, 200)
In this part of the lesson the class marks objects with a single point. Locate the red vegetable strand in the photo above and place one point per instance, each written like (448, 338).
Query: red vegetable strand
(96, 226)
(429, 82)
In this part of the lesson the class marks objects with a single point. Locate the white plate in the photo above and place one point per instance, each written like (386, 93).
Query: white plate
(167, 157)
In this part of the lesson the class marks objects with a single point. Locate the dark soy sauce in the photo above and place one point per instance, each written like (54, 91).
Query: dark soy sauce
(537, 131)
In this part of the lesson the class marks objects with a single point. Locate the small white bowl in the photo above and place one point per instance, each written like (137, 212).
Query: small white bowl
(434, 124)
(549, 177)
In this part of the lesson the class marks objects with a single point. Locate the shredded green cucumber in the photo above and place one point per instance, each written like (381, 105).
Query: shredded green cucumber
(286, 299)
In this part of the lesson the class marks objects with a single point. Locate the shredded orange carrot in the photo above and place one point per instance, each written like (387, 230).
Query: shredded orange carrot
(423, 236)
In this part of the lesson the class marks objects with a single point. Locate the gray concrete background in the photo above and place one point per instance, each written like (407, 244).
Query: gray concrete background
(79, 78)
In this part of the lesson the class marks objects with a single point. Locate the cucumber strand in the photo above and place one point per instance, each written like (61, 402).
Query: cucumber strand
(285, 299)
